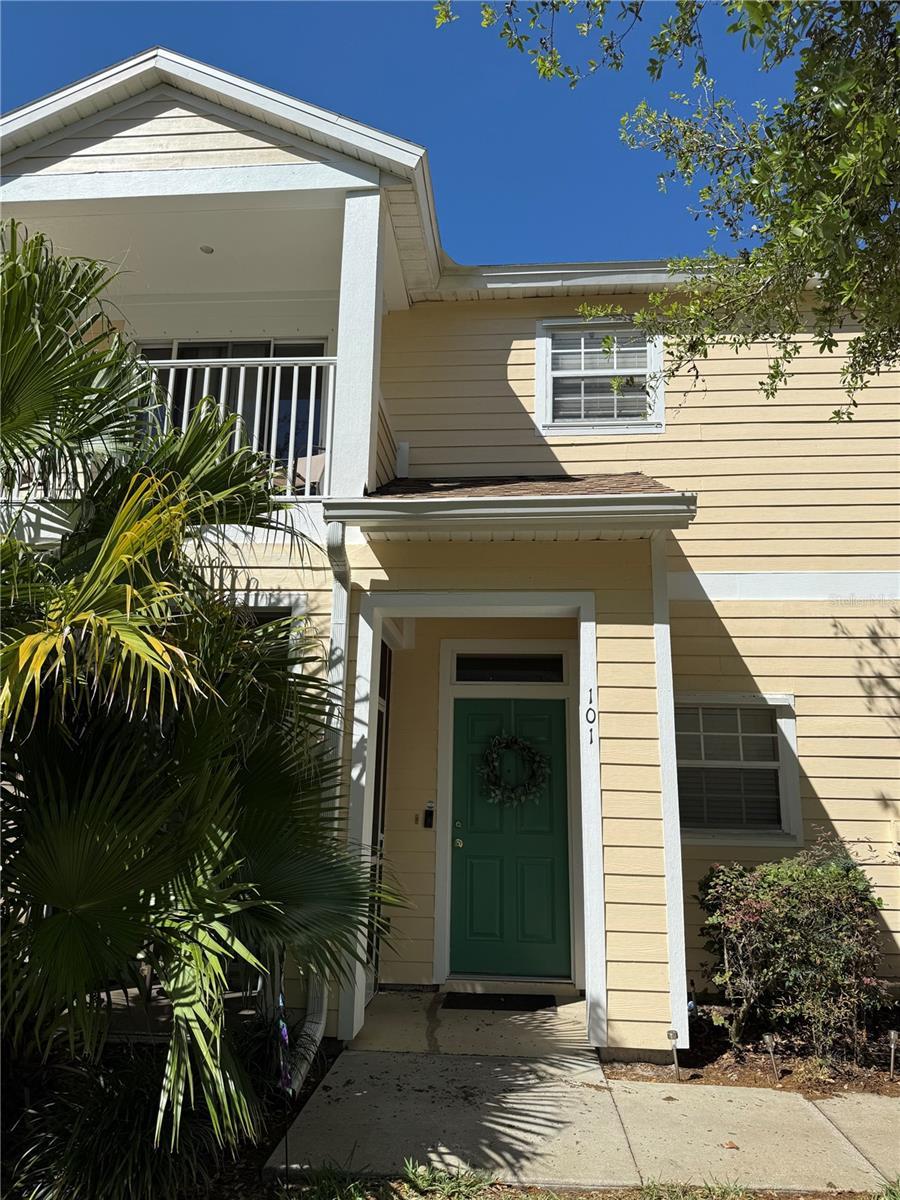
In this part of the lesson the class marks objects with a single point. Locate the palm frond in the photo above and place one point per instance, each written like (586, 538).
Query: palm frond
(103, 634)
(70, 383)
(210, 835)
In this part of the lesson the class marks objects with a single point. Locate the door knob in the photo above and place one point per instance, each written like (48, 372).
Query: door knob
(457, 842)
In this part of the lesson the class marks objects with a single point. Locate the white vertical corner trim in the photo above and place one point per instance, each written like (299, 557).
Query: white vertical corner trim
(444, 815)
(668, 769)
(352, 1005)
(376, 606)
(593, 866)
(355, 423)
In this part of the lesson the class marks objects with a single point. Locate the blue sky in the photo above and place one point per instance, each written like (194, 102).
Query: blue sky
(523, 170)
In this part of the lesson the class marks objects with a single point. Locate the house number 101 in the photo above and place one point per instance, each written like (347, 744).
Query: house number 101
(590, 715)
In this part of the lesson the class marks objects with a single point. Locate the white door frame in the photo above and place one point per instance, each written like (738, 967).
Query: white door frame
(374, 607)
(450, 691)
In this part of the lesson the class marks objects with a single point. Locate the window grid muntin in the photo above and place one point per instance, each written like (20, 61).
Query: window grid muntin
(773, 765)
(623, 341)
(765, 763)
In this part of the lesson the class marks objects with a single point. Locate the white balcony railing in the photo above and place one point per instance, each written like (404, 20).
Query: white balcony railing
(285, 409)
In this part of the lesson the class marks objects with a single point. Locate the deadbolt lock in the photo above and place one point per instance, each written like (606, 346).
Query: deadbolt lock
(457, 842)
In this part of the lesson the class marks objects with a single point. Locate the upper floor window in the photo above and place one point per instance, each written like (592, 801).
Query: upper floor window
(595, 377)
(737, 767)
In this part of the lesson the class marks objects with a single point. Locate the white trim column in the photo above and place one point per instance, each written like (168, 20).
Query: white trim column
(355, 424)
(362, 796)
(595, 985)
(665, 701)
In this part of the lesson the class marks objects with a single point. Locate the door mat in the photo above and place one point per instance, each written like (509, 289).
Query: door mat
(499, 1002)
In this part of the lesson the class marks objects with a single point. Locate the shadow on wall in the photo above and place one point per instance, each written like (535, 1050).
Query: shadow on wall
(844, 774)
(464, 400)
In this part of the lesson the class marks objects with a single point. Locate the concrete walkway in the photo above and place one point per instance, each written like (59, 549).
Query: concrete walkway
(520, 1095)
(541, 1123)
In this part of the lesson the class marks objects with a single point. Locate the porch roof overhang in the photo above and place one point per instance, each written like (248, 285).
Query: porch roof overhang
(586, 508)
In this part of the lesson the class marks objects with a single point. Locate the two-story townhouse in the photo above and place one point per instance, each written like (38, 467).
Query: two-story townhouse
(674, 602)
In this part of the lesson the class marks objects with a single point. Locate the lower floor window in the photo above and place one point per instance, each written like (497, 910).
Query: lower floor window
(730, 767)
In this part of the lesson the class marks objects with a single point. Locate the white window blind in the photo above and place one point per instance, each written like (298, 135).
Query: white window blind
(729, 768)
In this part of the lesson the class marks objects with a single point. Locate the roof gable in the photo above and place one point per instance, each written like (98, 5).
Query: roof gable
(74, 131)
(127, 80)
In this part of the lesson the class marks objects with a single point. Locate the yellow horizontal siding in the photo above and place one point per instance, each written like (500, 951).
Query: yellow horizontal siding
(774, 479)
(841, 664)
(386, 449)
(156, 137)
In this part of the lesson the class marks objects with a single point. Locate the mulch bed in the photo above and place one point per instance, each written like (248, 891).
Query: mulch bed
(711, 1060)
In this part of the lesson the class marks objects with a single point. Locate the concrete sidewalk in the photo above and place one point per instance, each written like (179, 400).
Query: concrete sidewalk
(555, 1121)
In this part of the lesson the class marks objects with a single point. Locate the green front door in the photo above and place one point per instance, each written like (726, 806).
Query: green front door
(509, 904)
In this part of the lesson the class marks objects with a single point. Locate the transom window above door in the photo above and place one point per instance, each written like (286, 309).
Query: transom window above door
(510, 668)
(597, 378)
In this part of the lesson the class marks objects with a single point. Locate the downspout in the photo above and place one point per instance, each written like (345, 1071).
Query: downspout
(340, 630)
(313, 1029)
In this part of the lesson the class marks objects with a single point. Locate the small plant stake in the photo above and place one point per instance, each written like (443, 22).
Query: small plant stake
(673, 1038)
(769, 1043)
(892, 1035)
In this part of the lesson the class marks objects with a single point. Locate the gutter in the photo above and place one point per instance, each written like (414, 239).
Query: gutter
(647, 510)
(340, 625)
(313, 1028)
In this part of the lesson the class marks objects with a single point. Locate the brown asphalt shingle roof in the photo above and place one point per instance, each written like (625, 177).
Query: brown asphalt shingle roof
(632, 483)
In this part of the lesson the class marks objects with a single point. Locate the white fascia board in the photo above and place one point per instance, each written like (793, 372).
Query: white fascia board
(601, 275)
(255, 99)
(668, 510)
(59, 108)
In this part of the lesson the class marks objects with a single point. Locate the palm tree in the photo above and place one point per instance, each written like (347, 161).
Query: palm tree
(169, 798)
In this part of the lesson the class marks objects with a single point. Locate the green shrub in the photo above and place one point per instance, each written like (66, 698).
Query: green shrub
(89, 1136)
(796, 946)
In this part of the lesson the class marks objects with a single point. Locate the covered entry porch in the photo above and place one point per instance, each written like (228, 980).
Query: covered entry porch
(480, 795)
(524, 627)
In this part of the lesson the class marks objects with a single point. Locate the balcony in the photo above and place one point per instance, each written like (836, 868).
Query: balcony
(284, 406)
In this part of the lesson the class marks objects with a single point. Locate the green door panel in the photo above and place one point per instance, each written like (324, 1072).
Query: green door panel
(509, 902)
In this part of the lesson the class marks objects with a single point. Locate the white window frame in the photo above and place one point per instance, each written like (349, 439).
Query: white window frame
(543, 384)
(791, 832)
(175, 343)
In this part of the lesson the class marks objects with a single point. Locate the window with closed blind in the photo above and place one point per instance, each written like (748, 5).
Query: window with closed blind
(734, 768)
(597, 378)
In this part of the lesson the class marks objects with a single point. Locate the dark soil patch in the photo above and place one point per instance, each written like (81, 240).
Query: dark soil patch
(711, 1060)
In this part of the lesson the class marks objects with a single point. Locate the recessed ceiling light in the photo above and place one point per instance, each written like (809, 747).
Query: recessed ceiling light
(207, 250)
